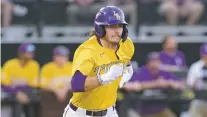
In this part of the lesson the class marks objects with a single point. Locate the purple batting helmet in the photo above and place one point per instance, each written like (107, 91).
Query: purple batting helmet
(203, 49)
(110, 15)
(26, 47)
(61, 50)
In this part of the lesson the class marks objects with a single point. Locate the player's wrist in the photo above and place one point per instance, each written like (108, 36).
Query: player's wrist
(99, 80)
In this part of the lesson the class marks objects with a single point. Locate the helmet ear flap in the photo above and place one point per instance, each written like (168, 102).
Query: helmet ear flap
(100, 31)
(124, 33)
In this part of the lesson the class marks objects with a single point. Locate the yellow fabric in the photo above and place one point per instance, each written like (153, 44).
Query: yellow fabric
(15, 74)
(89, 58)
(52, 75)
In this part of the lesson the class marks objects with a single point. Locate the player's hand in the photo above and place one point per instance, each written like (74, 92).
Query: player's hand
(61, 95)
(128, 72)
(22, 97)
(114, 72)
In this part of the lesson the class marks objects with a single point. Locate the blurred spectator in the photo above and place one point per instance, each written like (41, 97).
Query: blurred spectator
(55, 80)
(129, 8)
(87, 8)
(7, 11)
(176, 9)
(197, 79)
(150, 77)
(21, 77)
(171, 58)
(84, 3)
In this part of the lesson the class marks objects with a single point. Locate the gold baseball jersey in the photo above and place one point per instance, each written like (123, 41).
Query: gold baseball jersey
(91, 59)
(56, 76)
(15, 74)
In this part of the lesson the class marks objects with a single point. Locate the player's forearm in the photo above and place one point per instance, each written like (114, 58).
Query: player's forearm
(91, 83)
(148, 85)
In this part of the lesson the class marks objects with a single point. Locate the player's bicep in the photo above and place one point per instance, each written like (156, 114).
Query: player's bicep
(6, 70)
(85, 67)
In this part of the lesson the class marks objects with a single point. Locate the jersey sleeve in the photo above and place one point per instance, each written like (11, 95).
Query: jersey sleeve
(131, 47)
(127, 50)
(34, 75)
(45, 76)
(6, 72)
(83, 62)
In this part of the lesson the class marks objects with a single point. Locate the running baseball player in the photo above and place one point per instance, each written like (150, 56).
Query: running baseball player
(100, 66)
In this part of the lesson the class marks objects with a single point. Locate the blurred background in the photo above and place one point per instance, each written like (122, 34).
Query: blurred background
(39, 37)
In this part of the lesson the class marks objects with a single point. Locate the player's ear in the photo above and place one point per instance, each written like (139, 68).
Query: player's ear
(100, 31)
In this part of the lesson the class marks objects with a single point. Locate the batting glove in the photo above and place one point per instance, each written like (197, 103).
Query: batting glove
(114, 72)
(128, 72)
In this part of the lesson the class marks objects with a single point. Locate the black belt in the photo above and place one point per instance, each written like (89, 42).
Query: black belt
(90, 113)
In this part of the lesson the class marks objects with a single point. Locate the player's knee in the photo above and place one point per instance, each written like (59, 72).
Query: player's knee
(169, 7)
(78, 82)
(196, 8)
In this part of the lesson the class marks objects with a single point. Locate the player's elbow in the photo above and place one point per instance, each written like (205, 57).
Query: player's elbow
(78, 82)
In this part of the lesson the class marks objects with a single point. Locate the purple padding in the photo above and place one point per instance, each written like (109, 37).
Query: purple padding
(78, 82)
(14, 90)
(9, 89)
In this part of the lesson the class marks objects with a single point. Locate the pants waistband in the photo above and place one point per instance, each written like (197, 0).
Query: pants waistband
(91, 113)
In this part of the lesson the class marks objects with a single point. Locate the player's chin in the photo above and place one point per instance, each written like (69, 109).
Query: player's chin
(115, 41)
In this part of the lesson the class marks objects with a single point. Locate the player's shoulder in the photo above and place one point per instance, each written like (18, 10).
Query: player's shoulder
(91, 43)
(179, 52)
(88, 46)
(128, 43)
(129, 40)
(127, 47)
(34, 62)
(48, 65)
(11, 62)
(197, 64)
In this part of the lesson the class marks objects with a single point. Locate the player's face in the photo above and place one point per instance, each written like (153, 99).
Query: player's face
(204, 57)
(171, 44)
(60, 59)
(28, 55)
(114, 33)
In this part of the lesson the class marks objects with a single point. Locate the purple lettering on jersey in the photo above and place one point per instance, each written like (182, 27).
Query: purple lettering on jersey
(144, 75)
(78, 82)
(177, 59)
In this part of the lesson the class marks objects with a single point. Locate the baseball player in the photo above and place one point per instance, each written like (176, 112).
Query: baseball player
(101, 66)
(21, 77)
(197, 79)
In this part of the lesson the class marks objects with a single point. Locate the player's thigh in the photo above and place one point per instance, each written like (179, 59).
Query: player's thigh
(68, 112)
(112, 113)
(168, 6)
